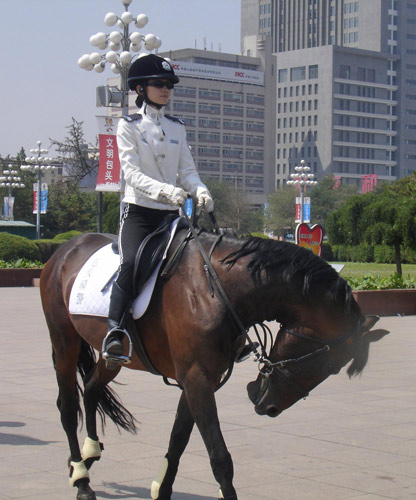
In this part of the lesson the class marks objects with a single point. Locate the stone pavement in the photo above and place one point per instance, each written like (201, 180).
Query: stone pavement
(351, 439)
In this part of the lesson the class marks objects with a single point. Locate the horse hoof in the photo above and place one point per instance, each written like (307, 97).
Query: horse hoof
(86, 494)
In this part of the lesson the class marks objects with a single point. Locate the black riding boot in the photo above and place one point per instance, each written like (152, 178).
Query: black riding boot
(119, 300)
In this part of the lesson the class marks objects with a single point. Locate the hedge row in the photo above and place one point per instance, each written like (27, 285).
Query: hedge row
(381, 254)
(13, 247)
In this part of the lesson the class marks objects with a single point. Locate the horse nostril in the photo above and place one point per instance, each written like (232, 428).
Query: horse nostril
(272, 411)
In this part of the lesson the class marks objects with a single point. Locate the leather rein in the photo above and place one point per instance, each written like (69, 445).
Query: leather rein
(266, 366)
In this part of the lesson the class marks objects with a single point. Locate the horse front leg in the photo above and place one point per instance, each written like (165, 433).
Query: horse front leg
(179, 438)
(199, 392)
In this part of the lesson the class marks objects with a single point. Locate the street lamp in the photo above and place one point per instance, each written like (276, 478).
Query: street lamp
(122, 45)
(11, 180)
(38, 164)
(302, 178)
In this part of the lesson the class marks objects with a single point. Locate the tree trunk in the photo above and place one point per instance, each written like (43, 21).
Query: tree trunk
(397, 258)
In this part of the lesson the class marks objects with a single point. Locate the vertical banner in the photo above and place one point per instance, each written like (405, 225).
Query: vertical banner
(109, 164)
(43, 198)
(306, 209)
(298, 215)
(8, 207)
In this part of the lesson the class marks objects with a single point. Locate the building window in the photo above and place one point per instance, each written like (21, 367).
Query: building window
(298, 73)
(282, 75)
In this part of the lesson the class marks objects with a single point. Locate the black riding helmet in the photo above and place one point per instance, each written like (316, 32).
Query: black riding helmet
(150, 66)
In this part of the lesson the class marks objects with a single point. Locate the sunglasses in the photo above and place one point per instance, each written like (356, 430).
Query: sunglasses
(159, 84)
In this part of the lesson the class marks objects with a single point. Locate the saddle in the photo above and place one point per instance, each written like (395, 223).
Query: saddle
(148, 257)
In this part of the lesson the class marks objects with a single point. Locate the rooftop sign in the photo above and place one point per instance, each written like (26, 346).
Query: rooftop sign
(184, 68)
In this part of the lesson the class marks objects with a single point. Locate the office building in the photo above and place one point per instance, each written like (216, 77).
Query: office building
(346, 84)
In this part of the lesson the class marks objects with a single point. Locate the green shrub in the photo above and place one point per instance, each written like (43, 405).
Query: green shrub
(20, 264)
(66, 236)
(13, 247)
(47, 248)
(371, 282)
(327, 252)
(383, 254)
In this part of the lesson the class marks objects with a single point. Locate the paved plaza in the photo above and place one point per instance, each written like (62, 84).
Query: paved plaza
(351, 439)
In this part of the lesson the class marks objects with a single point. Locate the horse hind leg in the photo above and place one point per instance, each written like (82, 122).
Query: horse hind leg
(182, 428)
(69, 407)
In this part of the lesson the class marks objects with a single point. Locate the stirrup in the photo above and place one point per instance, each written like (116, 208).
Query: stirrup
(120, 359)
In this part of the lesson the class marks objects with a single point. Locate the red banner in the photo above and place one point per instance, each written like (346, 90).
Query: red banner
(109, 164)
(368, 183)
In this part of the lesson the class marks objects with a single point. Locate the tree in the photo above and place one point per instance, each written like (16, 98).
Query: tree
(69, 209)
(280, 212)
(74, 153)
(326, 197)
(376, 218)
(232, 209)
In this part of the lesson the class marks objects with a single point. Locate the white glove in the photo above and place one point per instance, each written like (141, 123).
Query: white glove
(172, 194)
(204, 199)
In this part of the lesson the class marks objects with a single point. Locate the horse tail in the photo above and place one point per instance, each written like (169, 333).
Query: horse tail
(109, 403)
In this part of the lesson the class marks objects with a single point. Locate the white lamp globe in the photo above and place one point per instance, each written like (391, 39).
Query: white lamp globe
(83, 62)
(115, 37)
(104, 45)
(135, 47)
(95, 58)
(100, 38)
(141, 20)
(120, 24)
(93, 40)
(158, 43)
(110, 19)
(111, 56)
(99, 68)
(125, 57)
(126, 17)
(149, 41)
(115, 69)
(135, 37)
(115, 46)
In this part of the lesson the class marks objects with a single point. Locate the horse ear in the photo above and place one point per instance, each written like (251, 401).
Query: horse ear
(375, 335)
(369, 322)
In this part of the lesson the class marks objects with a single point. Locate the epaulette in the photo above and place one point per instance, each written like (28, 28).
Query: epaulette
(174, 119)
(132, 118)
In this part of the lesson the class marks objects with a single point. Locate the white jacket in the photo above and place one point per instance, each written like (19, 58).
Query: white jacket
(154, 153)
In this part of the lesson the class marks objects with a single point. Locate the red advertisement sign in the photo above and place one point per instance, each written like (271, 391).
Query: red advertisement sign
(368, 183)
(310, 237)
(109, 164)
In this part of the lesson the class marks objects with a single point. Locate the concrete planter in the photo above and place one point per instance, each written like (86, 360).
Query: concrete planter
(19, 277)
(386, 302)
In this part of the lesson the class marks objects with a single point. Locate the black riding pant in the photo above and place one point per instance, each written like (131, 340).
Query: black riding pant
(136, 223)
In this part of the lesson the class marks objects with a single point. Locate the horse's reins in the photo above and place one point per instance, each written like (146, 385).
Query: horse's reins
(266, 366)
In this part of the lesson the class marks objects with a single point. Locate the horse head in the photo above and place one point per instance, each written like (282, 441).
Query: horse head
(300, 359)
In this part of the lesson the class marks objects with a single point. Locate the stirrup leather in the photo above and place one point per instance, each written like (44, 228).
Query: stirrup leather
(121, 359)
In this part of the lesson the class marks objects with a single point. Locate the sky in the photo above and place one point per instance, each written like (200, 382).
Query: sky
(42, 87)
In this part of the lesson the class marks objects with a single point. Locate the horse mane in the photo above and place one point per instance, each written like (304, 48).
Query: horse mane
(280, 260)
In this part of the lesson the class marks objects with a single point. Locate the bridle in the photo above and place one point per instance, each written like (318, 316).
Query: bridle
(267, 367)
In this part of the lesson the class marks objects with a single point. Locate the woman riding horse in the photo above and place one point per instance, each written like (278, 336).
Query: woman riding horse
(154, 153)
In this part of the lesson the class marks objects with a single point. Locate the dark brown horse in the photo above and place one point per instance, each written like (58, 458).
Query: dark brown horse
(191, 337)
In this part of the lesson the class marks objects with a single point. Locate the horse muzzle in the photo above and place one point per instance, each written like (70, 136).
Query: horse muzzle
(257, 393)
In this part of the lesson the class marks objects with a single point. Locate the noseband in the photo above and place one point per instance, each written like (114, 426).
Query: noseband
(267, 367)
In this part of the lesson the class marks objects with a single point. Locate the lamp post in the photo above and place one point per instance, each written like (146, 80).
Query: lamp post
(302, 178)
(11, 180)
(122, 45)
(38, 164)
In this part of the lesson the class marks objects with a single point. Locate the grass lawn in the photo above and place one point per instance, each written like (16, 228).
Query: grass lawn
(360, 269)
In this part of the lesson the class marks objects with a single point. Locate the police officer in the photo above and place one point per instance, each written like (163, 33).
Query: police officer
(154, 155)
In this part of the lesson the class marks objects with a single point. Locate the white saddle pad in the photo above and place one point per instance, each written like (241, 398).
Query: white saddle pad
(90, 294)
